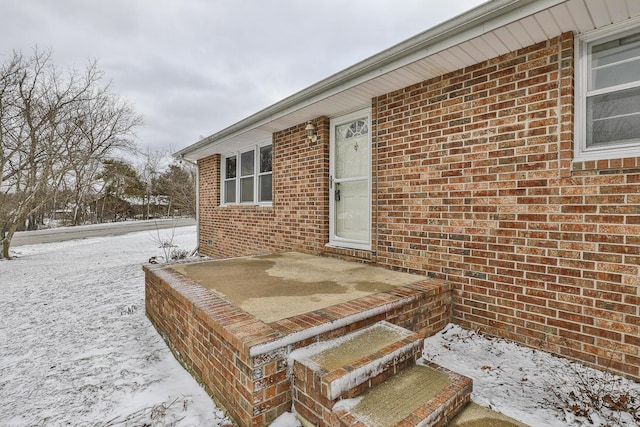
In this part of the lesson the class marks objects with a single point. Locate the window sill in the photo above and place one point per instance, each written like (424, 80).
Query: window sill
(606, 166)
(246, 206)
(362, 255)
(608, 153)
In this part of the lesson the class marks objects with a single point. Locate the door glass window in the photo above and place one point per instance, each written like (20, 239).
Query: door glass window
(352, 149)
(352, 211)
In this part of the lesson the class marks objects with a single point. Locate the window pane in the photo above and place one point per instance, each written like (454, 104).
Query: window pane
(616, 74)
(615, 62)
(246, 190)
(246, 163)
(616, 50)
(265, 188)
(230, 167)
(613, 117)
(265, 159)
(230, 191)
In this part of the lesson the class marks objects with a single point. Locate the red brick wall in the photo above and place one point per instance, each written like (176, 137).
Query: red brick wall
(211, 338)
(299, 217)
(474, 183)
(475, 186)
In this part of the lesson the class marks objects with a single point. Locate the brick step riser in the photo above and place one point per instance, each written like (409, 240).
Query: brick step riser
(437, 412)
(314, 403)
(315, 390)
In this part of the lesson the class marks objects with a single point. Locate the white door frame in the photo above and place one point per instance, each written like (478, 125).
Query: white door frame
(333, 239)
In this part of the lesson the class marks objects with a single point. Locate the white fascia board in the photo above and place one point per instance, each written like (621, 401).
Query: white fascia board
(474, 23)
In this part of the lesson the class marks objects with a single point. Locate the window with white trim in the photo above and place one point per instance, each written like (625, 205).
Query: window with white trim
(608, 95)
(265, 174)
(229, 185)
(246, 176)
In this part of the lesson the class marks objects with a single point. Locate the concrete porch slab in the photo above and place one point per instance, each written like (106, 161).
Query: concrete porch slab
(277, 286)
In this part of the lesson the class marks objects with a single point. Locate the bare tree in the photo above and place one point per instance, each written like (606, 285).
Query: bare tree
(149, 172)
(30, 148)
(53, 128)
(103, 124)
(10, 143)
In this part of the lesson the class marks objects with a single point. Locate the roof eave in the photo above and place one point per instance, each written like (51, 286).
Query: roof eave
(463, 27)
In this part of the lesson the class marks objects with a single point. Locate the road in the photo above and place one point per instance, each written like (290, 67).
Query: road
(94, 230)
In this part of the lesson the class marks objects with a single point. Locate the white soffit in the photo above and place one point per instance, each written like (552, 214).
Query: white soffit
(522, 26)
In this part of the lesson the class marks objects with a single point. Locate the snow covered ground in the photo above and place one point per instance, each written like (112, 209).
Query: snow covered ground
(532, 386)
(76, 349)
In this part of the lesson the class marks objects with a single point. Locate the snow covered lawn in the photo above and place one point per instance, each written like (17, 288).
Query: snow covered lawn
(76, 348)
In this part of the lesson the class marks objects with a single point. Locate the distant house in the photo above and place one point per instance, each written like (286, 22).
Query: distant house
(499, 151)
(149, 207)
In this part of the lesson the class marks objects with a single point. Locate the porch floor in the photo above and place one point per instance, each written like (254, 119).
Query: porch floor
(277, 286)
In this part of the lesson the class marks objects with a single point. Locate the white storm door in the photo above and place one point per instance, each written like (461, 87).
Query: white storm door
(350, 182)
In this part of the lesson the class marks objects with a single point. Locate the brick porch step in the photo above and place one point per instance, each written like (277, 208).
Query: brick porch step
(363, 364)
(346, 367)
(424, 395)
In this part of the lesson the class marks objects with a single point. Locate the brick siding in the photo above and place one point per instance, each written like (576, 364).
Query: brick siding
(476, 187)
(299, 216)
(474, 183)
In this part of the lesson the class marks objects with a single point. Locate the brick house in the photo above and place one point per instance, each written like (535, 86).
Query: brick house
(498, 151)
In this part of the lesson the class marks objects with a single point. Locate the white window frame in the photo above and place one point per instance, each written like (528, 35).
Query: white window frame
(256, 175)
(583, 64)
(223, 181)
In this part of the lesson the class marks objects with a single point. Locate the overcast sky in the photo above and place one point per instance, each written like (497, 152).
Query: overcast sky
(194, 67)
